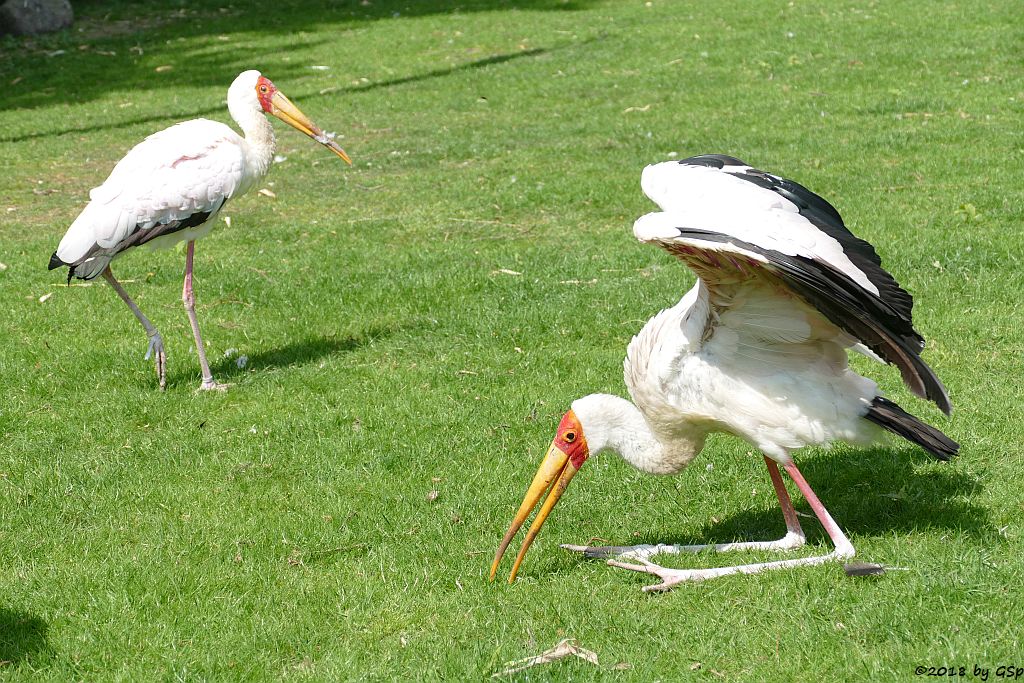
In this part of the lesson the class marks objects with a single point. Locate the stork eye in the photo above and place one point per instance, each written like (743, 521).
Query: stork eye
(569, 436)
(263, 89)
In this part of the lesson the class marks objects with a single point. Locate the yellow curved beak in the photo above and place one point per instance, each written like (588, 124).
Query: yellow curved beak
(282, 108)
(554, 474)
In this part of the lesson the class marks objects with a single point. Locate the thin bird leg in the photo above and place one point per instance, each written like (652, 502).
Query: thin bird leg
(189, 299)
(793, 529)
(793, 539)
(156, 342)
(843, 548)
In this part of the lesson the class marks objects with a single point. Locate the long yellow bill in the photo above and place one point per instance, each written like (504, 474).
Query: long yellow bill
(283, 109)
(554, 474)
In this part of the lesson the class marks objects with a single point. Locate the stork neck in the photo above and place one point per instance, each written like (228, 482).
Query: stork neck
(615, 424)
(260, 140)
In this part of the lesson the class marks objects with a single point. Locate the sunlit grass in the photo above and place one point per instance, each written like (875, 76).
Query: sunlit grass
(417, 323)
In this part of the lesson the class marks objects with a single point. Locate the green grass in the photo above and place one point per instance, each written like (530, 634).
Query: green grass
(283, 529)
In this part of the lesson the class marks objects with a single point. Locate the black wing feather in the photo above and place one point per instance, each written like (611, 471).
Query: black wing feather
(824, 217)
(139, 236)
(136, 237)
(713, 161)
(869, 318)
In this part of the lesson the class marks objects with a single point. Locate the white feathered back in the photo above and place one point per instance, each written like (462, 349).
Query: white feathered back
(189, 168)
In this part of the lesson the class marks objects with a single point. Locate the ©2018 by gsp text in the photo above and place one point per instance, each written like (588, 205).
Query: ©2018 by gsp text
(1008, 672)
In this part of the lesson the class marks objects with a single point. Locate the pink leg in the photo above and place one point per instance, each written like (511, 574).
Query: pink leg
(788, 512)
(189, 299)
(793, 539)
(843, 547)
(156, 342)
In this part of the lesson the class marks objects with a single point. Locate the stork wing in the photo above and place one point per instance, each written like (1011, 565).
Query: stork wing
(175, 179)
(731, 223)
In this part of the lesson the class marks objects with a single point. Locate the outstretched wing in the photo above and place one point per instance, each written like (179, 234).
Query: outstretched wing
(173, 180)
(734, 224)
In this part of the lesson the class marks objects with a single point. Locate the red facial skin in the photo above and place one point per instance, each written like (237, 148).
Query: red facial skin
(570, 440)
(264, 91)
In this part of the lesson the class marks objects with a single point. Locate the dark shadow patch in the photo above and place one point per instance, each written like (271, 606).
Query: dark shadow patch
(23, 638)
(872, 492)
(303, 352)
(440, 73)
(60, 72)
(220, 110)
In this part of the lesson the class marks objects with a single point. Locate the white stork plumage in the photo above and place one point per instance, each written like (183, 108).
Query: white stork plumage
(171, 187)
(757, 349)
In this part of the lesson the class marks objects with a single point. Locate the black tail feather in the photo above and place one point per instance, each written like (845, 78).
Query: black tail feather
(890, 416)
(56, 262)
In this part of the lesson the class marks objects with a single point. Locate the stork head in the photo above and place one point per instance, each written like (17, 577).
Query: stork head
(565, 457)
(253, 91)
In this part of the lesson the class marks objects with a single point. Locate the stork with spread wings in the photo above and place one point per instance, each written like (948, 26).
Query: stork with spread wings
(757, 348)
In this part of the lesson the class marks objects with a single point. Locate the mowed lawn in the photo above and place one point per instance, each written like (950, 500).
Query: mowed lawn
(414, 326)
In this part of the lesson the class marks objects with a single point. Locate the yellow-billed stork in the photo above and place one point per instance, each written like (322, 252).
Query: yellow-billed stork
(757, 348)
(171, 187)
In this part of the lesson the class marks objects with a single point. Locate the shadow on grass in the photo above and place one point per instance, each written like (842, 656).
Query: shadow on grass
(868, 492)
(22, 638)
(220, 108)
(308, 350)
(112, 48)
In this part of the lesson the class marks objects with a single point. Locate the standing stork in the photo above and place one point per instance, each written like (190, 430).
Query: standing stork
(757, 349)
(171, 187)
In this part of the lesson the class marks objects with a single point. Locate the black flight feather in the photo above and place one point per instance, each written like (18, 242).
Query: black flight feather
(136, 237)
(890, 416)
(849, 306)
(824, 217)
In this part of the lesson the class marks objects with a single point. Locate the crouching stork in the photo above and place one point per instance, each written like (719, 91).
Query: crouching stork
(757, 349)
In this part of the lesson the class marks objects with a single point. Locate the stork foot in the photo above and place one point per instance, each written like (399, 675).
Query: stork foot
(622, 552)
(155, 350)
(211, 385)
(791, 541)
(794, 538)
(671, 578)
